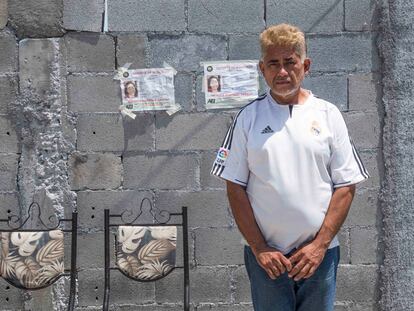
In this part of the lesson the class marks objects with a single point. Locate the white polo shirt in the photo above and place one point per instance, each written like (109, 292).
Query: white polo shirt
(290, 158)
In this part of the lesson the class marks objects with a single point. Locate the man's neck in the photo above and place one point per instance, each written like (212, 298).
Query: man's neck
(299, 98)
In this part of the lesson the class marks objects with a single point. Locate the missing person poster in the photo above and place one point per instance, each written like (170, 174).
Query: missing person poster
(148, 89)
(229, 84)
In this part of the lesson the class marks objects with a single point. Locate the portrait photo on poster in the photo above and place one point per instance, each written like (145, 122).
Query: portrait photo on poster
(230, 84)
(213, 84)
(130, 89)
(148, 89)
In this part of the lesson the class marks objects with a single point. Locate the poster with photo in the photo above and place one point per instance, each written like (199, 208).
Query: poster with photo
(229, 84)
(148, 89)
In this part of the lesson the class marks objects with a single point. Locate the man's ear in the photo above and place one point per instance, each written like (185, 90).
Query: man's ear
(306, 64)
(261, 66)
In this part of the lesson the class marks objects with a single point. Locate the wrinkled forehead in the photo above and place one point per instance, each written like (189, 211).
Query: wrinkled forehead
(280, 52)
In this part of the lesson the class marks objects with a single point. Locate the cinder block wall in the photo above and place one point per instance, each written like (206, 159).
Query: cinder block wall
(62, 140)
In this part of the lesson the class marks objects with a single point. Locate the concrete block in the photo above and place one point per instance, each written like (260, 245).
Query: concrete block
(374, 164)
(4, 13)
(90, 52)
(141, 15)
(332, 88)
(365, 208)
(309, 16)
(207, 252)
(83, 15)
(361, 15)
(8, 93)
(334, 53)
(225, 16)
(9, 141)
(206, 209)
(206, 179)
(8, 51)
(210, 284)
(171, 288)
(242, 292)
(180, 247)
(131, 48)
(68, 127)
(91, 251)
(197, 49)
(160, 171)
(244, 47)
(9, 205)
(100, 132)
(8, 171)
(200, 96)
(91, 206)
(364, 92)
(93, 94)
(94, 171)
(139, 134)
(123, 289)
(200, 131)
(43, 298)
(357, 283)
(11, 298)
(364, 246)
(364, 128)
(345, 246)
(36, 19)
(184, 85)
(36, 62)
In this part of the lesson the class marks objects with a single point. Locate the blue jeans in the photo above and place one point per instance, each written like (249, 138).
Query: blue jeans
(316, 293)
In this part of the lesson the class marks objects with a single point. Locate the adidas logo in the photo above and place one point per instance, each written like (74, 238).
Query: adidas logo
(267, 130)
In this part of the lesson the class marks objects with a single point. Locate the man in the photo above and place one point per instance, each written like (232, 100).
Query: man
(291, 171)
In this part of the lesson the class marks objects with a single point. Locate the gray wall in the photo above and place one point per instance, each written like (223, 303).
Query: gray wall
(63, 143)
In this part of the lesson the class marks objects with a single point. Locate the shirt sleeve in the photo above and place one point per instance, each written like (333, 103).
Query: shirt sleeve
(346, 166)
(231, 160)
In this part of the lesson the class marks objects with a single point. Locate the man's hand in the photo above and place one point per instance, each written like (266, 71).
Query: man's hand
(272, 261)
(306, 260)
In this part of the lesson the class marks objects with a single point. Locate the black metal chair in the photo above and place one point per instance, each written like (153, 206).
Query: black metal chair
(33, 258)
(145, 252)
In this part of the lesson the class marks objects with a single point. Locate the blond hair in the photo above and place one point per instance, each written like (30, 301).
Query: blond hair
(285, 36)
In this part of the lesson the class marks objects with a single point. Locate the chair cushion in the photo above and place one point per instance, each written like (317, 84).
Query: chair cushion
(31, 259)
(146, 253)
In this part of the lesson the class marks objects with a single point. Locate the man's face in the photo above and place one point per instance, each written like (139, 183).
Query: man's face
(283, 71)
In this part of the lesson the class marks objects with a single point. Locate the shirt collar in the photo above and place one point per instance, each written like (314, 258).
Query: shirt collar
(273, 101)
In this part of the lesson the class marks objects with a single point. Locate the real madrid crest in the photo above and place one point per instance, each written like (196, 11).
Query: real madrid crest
(315, 128)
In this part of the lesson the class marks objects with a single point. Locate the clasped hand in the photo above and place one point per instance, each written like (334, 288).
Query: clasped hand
(302, 264)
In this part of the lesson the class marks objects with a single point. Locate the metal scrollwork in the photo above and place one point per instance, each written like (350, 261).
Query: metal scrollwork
(15, 222)
(158, 216)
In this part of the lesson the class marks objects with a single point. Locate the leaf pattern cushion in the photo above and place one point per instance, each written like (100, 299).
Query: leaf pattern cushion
(146, 253)
(31, 259)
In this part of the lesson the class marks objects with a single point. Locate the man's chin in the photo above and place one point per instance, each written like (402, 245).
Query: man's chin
(283, 94)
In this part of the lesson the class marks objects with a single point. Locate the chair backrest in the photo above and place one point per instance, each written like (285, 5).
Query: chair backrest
(146, 252)
(33, 258)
